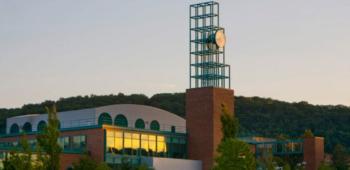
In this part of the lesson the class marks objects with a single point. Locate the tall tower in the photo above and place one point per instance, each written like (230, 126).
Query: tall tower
(209, 83)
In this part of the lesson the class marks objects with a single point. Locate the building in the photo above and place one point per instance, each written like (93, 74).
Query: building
(143, 134)
(156, 137)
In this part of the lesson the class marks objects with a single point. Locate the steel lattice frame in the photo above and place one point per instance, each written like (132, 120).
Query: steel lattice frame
(207, 66)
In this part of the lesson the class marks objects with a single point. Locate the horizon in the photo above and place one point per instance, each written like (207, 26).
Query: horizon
(149, 96)
(287, 51)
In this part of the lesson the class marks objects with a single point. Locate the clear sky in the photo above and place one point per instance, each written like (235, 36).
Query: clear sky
(288, 50)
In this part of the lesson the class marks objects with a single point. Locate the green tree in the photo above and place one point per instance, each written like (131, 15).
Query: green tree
(21, 160)
(49, 153)
(340, 157)
(233, 154)
(308, 133)
(86, 162)
(230, 124)
(324, 166)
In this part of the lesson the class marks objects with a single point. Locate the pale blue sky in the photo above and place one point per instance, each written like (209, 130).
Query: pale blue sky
(288, 50)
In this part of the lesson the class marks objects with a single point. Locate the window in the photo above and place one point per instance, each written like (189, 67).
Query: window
(104, 118)
(27, 127)
(155, 125)
(79, 142)
(14, 128)
(161, 146)
(64, 142)
(173, 129)
(120, 120)
(140, 124)
(41, 126)
(72, 143)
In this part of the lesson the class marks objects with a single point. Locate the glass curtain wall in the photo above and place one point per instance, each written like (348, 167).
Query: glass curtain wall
(122, 142)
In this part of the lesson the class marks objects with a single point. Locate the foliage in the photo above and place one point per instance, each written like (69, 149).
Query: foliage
(49, 153)
(233, 154)
(308, 134)
(86, 162)
(340, 157)
(20, 160)
(270, 117)
(266, 162)
(230, 124)
(324, 166)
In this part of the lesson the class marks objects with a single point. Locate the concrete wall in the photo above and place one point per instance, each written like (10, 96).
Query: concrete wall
(176, 164)
(86, 117)
(133, 112)
(172, 164)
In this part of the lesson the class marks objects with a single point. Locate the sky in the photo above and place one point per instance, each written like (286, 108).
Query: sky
(287, 50)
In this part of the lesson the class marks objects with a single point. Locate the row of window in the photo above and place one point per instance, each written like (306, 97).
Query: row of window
(120, 120)
(27, 127)
(104, 118)
(143, 144)
(67, 143)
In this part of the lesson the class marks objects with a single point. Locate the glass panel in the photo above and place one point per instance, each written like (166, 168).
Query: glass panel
(110, 133)
(144, 145)
(127, 140)
(83, 141)
(135, 141)
(152, 144)
(118, 144)
(76, 142)
(161, 146)
(66, 143)
(110, 144)
(118, 134)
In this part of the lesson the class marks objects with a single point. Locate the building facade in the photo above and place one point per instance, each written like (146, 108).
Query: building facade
(143, 134)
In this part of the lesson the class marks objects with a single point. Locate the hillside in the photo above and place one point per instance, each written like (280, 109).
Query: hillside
(257, 116)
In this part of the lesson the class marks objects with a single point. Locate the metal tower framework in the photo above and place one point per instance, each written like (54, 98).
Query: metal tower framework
(207, 65)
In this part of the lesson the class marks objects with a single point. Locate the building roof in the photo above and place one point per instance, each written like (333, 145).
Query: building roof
(87, 117)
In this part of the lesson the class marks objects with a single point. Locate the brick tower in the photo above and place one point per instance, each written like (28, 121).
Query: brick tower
(209, 83)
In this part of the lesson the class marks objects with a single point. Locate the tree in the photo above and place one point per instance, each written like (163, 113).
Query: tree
(324, 166)
(233, 154)
(340, 157)
(86, 162)
(230, 124)
(22, 160)
(49, 153)
(308, 133)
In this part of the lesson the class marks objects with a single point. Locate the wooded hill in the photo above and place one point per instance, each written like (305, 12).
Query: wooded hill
(257, 116)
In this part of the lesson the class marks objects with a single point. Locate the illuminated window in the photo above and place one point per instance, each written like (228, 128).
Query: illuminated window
(135, 141)
(152, 143)
(140, 124)
(127, 140)
(161, 146)
(110, 141)
(118, 141)
(120, 120)
(155, 125)
(144, 144)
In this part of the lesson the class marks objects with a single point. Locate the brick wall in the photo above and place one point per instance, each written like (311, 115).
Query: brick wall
(95, 145)
(313, 152)
(203, 110)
